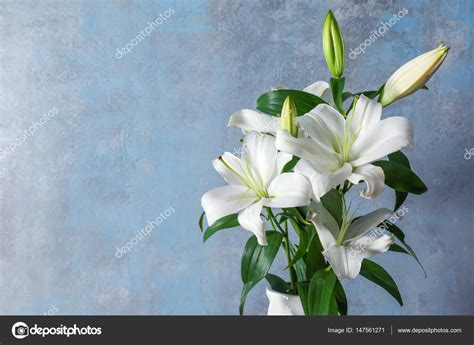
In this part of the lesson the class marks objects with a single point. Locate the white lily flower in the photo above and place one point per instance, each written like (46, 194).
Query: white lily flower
(346, 246)
(338, 149)
(251, 120)
(255, 181)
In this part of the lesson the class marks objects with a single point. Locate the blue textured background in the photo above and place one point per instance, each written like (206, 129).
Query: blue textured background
(134, 136)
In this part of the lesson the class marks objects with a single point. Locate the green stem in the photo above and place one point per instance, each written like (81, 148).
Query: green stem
(346, 219)
(337, 94)
(286, 246)
(347, 187)
(293, 278)
(273, 221)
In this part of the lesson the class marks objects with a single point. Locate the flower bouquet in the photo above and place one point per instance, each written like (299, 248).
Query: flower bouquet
(302, 154)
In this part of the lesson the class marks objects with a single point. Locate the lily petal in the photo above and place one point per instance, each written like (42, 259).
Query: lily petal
(372, 244)
(222, 201)
(388, 136)
(289, 190)
(320, 89)
(235, 163)
(364, 224)
(364, 116)
(374, 178)
(261, 153)
(330, 122)
(307, 149)
(344, 261)
(282, 159)
(321, 183)
(325, 224)
(250, 220)
(250, 120)
(319, 132)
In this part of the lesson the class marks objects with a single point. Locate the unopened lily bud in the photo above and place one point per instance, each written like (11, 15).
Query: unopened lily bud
(333, 45)
(288, 117)
(413, 75)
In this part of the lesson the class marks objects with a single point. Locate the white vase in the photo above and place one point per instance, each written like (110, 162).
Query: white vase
(283, 304)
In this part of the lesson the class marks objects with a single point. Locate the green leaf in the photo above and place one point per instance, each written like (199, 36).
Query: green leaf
(297, 214)
(401, 178)
(300, 265)
(226, 222)
(412, 252)
(245, 291)
(400, 198)
(376, 274)
(290, 165)
(201, 220)
(303, 293)
(320, 292)
(303, 211)
(396, 248)
(400, 158)
(398, 233)
(303, 244)
(283, 218)
(272, 102)
(277, 284)
(256, 261)
(314, 258)
(332, 201)
(346, 96)
(333, 306)
(337, 88)
(369, 94)
(395, 230)
(341, 298)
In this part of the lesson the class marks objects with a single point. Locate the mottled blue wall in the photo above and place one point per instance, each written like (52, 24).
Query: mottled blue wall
(134, 136)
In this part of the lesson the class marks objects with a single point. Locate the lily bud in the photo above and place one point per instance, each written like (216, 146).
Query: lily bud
(333, 45)
(288, 117)
(413, 75)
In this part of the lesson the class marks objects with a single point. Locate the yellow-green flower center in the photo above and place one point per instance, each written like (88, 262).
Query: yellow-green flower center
(344, 144)
(249, 177)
